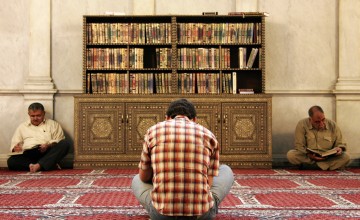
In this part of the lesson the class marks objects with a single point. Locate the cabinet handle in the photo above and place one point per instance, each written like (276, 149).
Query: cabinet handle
(122, 118)
(127, 118)
(224, 119)
(218, 118)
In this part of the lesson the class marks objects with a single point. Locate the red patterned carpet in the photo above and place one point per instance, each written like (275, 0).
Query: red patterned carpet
(106, 194)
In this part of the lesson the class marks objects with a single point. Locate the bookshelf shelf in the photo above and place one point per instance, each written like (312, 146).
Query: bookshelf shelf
(133, 66)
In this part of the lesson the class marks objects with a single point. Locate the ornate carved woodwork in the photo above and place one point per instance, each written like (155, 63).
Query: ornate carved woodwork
(109, 130)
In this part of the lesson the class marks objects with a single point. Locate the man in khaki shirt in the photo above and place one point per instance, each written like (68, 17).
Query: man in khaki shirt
(321, 134)
(37, 144)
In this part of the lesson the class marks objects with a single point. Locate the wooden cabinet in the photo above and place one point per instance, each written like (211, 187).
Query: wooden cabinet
(134, 66)
(110, 129)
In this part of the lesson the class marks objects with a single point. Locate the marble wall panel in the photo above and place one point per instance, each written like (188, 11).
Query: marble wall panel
(301, 44)
(190, 7)
(348, 117)
(14, 38)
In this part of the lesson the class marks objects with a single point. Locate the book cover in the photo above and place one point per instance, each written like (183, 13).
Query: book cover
(21, 152)
(322, 153)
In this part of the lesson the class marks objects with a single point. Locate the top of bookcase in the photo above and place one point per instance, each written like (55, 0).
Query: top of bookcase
(246, 16)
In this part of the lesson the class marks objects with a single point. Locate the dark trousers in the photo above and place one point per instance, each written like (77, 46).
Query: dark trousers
(47, 160)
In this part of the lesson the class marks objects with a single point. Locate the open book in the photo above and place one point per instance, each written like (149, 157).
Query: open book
(320, 153)
(21, 152)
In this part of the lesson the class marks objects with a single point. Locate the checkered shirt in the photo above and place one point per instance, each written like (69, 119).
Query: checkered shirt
(182, 154)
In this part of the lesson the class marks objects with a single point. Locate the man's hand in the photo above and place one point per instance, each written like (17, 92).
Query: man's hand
(18, 147)
(146, 175)
(339, 151)
(44, 147)
(314, 157)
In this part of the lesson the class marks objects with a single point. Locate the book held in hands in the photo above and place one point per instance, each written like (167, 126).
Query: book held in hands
(320, 153)
(21, 152)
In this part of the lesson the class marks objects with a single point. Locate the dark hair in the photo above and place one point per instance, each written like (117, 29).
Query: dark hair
(313, 108)
(36, 106)
(181, 107)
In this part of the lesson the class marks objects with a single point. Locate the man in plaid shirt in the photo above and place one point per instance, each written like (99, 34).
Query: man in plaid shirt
(179, 172)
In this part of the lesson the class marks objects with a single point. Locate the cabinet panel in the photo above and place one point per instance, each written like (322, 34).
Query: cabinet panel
(245, 133)
(244, 128)
(100, 131)
(140, 117)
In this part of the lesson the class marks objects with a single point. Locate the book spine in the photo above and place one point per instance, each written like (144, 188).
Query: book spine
(252, 57)
(234, 82)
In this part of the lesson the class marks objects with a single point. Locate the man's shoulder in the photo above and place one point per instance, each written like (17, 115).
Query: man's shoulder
(332, 124)
(23, 124)
(330, 121)
(51, 121)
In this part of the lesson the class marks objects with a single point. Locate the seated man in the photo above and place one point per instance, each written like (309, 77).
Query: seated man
(179, 172)
(319, 134)
(37, 144)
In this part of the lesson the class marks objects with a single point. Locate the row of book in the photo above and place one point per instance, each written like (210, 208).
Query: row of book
(136, 83)
(213, 58)
(188, 58)
(114, 58)
(199, 58)
(103, 33)
(149, 83)
(230, 85)
(163, 58)
(243, 61)
(219, 33)
(112, 33)
(201, 83)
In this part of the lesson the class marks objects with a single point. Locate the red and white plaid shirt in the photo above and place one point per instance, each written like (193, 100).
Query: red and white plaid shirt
(182, 154)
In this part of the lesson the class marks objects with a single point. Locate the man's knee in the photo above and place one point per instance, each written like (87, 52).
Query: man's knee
(345, 159)
(292, 156)
(14, 164)
(226, 170)
(134, 182)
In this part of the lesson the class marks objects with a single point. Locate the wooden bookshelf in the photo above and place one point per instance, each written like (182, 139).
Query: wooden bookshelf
(133, 66)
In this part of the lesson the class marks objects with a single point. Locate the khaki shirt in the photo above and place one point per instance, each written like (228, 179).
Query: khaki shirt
(306, 136)
(49, 131)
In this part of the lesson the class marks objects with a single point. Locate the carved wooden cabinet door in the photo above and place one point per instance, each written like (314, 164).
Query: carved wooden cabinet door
(245, 133)
(139, 117)
(99, 134)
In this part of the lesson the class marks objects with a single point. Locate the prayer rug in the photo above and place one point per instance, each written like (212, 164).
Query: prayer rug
(106, 194)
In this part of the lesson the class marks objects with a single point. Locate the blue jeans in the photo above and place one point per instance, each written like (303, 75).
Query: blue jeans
(219, 189)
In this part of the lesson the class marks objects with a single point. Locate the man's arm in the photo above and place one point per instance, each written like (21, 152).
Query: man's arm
(57, 133)
(146, 175)
(300, 139)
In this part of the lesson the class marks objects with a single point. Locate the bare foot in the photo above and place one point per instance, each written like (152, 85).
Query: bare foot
(34, 167)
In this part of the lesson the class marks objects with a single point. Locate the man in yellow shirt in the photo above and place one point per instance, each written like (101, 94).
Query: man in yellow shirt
(319, 134)
(37, 144)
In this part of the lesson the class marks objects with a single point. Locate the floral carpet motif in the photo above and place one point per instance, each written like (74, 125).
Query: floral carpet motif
(106, 194)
